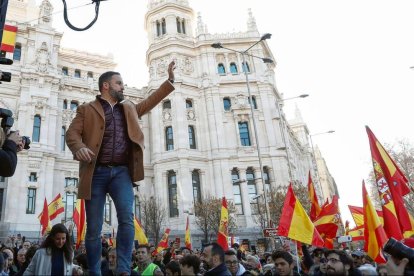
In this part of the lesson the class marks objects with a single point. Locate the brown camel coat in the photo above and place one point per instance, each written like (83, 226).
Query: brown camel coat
(87, 130)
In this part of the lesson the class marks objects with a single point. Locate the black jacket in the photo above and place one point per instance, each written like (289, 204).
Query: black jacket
(220, 270)
(8, 158)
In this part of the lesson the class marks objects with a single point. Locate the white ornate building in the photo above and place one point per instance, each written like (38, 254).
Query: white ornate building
(199, 141)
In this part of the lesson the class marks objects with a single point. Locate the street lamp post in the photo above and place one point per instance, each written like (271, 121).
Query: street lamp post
(244, 68)
(313, 154)
(282, 130)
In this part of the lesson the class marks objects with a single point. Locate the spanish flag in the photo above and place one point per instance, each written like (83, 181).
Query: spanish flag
(79, 218)
(357, 233)
(9, 38)
(55, 207)
(390, 177)
(358, 215)
(296, 224)
(327, 221)
(187, 238)
(374, 233)
(44, 218)
(163, 244)
(315, 208)
(139, 232)
(223, 232)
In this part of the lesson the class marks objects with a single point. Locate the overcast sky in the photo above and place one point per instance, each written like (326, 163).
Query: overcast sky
(352, 57)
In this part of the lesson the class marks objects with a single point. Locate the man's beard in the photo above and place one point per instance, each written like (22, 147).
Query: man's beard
(119, 96)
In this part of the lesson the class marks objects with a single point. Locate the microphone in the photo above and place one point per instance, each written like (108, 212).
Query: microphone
(6, 61)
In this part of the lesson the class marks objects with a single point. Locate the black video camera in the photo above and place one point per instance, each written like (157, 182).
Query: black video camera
(7, 122)
(400, 251)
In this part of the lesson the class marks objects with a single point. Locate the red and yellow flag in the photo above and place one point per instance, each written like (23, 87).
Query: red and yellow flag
(163, 244)
(346, 227)
(55, 207)
(374, 233)
(315, 208)
(357, 233)
(327, 221)
(9, 38)
(389, 175)
(358, 215)
(223, 233)
(44, 218)
(79, 218)
(139, 232)
(187, 238)
(296, 224)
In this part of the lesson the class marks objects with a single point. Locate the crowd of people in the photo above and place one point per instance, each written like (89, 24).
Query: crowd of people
(57, 255)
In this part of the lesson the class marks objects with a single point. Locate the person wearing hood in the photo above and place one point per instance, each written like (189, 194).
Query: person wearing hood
(233, 265)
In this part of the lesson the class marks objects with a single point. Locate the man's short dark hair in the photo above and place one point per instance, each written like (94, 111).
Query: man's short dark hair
(106, 77)
(230, 253)
(282, 254)
(191, 261)
(174, 267)
(217, 250)
(144, 246)
(343, 257)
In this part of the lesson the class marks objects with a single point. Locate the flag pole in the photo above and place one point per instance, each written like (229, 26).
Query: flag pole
(297, 255)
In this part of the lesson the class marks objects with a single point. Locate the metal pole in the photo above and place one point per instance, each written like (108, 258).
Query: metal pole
(257, 138)
(282, 130)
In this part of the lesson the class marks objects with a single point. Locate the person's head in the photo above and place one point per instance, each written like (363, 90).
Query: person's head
(9, 256)
(111, 86)
(30, 253)
(190, 265)
(172, 269)
(253, 262)
(268, 258)
(317, 254)
(143, 253)
(382, 270)
(185, 251)
(21, 256)
(27, 244)
(323, 264)
(235, 246)
(58, 238)
(358, 258)
(283, 262)
(231, 261)
(82, 261)
(339, 263)
(112, 259)
(213, 255)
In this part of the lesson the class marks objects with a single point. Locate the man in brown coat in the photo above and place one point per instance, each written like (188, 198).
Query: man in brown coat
(106, 138)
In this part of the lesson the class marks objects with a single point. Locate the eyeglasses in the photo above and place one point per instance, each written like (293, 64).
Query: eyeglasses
(232, 262)
(333, 260)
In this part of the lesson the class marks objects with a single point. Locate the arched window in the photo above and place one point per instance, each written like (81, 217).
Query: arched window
(195, 176)
(251, 187)
(178, 25)
(246, 67)
(77, 73)
(192, 137)
(221, 69)
(74, 105)
(36, 128)
(17, 51)
(65, 104)
(188, 103)
(63, 139)
(237, 191)
(233, 68)
(163, 26)
(266, 178)
(158, 23)
(65, 71)
(172, 194)
(226, 104)
(166, 104)
(244, 134)
(254, 101)
(169, 139)
(183, 25)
